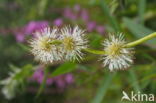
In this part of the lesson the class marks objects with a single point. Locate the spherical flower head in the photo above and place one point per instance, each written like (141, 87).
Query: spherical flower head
(116, 56)
(42, 49)
(9, 88)
(10, 84)
(73, 42)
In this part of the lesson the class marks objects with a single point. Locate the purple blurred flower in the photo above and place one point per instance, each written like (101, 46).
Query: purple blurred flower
(69, 78)
(58, 22)
(73, 17)
(100, 29)
(60, 81)
(35, 25)
(68, 13)
(20, 37)
(49, 81)
(84, 15)
(29, 29)
(91, 26)
(38, 73)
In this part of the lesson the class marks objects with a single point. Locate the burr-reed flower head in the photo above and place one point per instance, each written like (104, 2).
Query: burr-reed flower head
(73, 41)
(116, 56)
(42, 47)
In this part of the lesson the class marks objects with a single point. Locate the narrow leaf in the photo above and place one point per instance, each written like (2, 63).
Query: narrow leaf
(110, 18)
(138, 30)
(64, 68)
(104, 86)
(142, 6)
(134, 80)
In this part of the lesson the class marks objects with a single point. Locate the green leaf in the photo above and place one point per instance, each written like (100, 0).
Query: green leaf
(110, 17)
(24, 47)
(64, 68)
(142, 7)
(92, 2)
(87, 68)
(95, 40)
(138, 30)
(105, 84)
(42, 6)
(134, 80)
(25, 72)
(114, 4)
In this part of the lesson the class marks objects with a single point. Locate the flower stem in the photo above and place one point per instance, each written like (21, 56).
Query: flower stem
(57, 42)
(137, 42)
(94, 51)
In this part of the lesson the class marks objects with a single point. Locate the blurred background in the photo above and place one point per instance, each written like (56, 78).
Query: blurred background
(26, 81)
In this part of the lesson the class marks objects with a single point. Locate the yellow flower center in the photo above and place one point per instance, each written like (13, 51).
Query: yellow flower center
(44, 44)
(114, 50)
(68, 43)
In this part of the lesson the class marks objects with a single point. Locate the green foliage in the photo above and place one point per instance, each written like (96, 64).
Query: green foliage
(141, 11)
(16, 78)
(109, 16)
(104, 86)
(138, 30)
(64, 68)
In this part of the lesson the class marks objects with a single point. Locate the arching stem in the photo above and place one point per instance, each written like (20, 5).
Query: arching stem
(137, 42)
(98, 52)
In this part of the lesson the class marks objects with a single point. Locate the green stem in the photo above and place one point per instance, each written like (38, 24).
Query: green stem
(57, 42)
(137, 42)
(94, 51)
(43, 85)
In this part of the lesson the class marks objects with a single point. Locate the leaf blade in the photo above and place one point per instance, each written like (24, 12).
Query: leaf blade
(138, 30)
(64, 68)
(103, 88)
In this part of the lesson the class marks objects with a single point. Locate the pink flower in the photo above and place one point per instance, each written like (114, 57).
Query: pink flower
(100, 29)
(34, 25)
(38, 74)
(49, 81)
(20, 37)
(91, 26)
(68, 13)
(58, 22)
(69, 78)
(60, 81)
(28, 29)
(84, 15)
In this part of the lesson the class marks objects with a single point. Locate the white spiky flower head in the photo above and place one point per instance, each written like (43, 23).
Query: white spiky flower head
(42, 49)
(116, 56)
(10, 84)
(73, 42)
